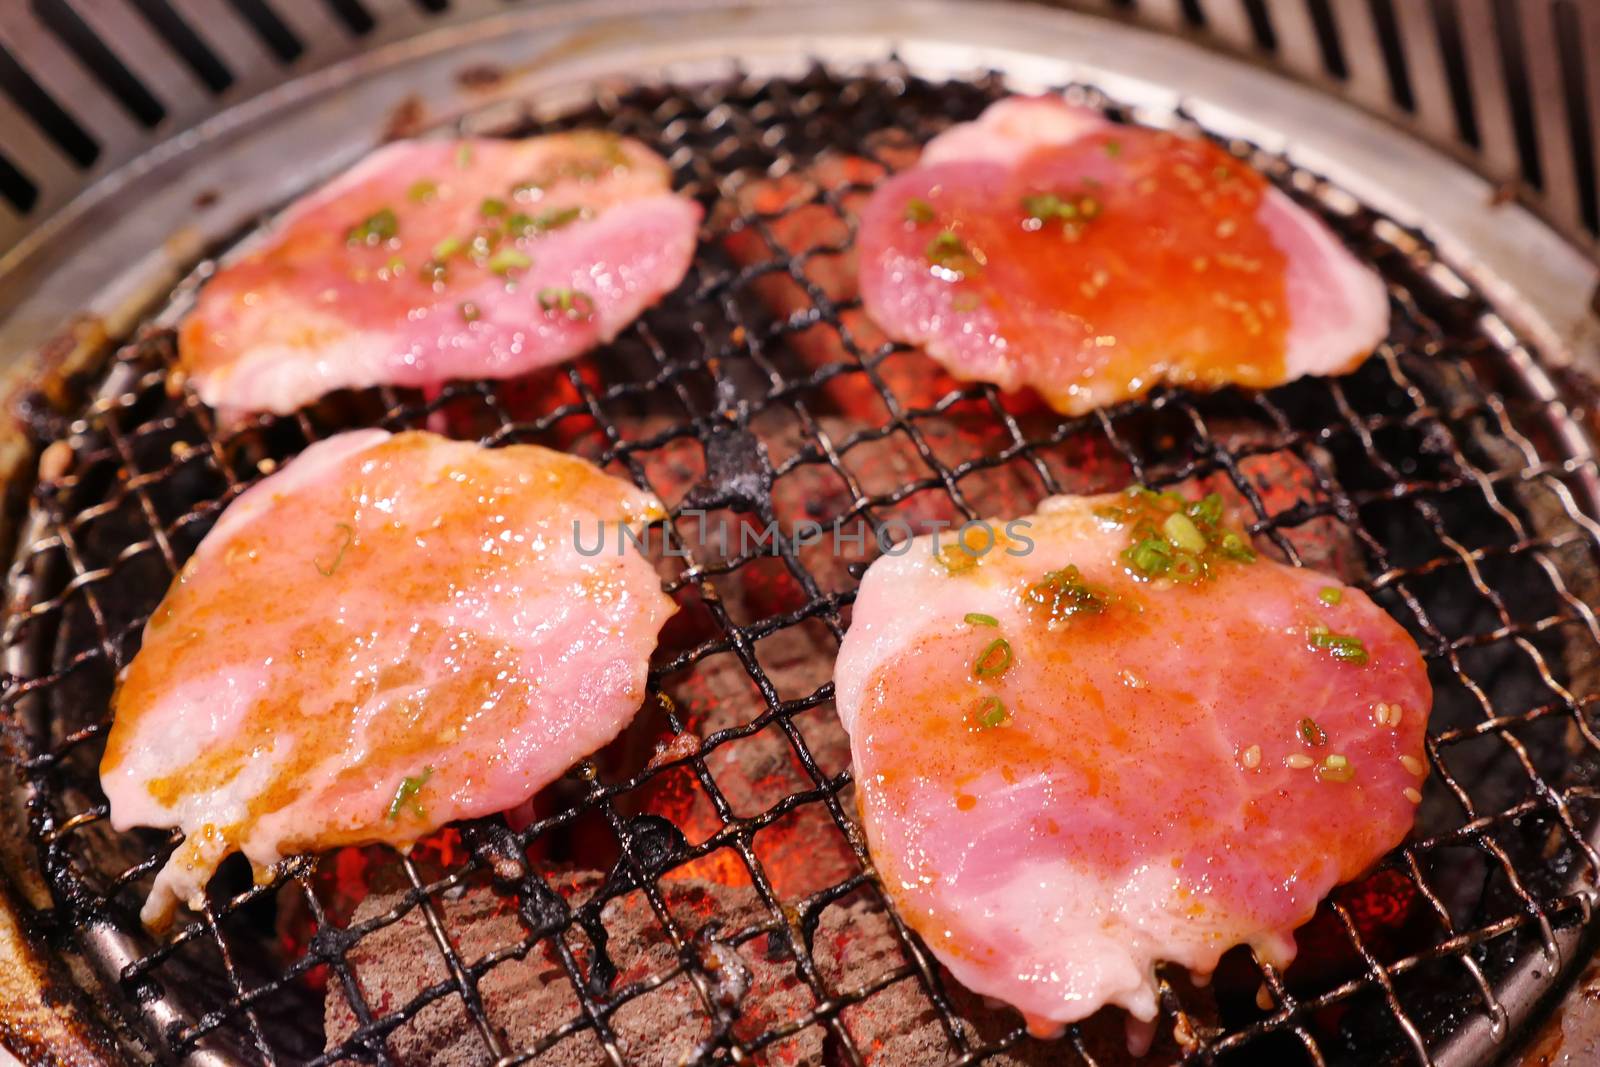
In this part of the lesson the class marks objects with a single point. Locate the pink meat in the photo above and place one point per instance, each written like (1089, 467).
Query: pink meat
(1161, 775)
(390, 633)
(432, 260)
(1170, 261)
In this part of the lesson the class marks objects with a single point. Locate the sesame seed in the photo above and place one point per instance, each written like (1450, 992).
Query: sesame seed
(1298, 761)
(1380, 711)
(1395, 713)
(1412, 764)
(267, 466)
(1182, 1033)
(1251, 757)
(1412, 795)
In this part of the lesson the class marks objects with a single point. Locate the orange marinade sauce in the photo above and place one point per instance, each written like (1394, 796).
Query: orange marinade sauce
(1129, 256)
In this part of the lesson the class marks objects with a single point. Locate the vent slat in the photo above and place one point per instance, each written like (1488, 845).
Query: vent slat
(1297, 39)
(169, 25)
(1228, 21)
(10, 218)
(1492, 105)
(352, 15)
(231, 38)
(1367, 82)
(97, 58)
(149, 59)
(39, 159)
(58, 72)
(1430, 87)
(311, 22)
(1550, 122)
(1589, 49)
(1166, 14)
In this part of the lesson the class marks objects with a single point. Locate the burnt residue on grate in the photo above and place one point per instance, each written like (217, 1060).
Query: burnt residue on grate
(698, 890)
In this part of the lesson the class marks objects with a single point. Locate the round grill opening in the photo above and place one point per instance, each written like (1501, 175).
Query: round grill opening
(698, 890)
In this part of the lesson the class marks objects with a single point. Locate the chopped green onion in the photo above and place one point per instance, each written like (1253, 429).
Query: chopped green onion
(569, 302)
(919, 210)
(422, 191)
(948, 250)
(484, 242)
(1183, 533)
(956, 559)
(380, 226)
(349, 536)
(492, 207)
(1346, 648)
(992, 712)
(1150, 557)
(463, 156)
(1187, 568)
(556, 218)
(1113, 148)
(1042, 207)
(1207, 510)
(1064, 593)
(1311, 733)
(994, 660)
(447, 248)
(977, 618)
(407, 794)
(469, 311)
(519, 224)
(1233, 546)
(1330, 595)
(1174, 536)
(507, 260)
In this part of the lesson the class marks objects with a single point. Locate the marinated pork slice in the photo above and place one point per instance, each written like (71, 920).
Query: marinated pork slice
(432, 260)
(1044, 246)
(1121, 737)
(390, 633)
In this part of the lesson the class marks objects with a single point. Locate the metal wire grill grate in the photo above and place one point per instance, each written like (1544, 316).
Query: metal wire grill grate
(758, 392)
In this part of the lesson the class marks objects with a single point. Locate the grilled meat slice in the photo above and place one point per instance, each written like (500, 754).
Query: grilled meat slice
(1043, 246)
(1118, 738)
(432, 260)
(390, 633)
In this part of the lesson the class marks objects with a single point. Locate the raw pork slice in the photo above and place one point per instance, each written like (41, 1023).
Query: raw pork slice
(432, 260)
(1044, 246)
(390, 633)
(1120, 737)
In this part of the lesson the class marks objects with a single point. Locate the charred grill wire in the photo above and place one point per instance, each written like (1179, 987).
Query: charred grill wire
(1439, 460)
